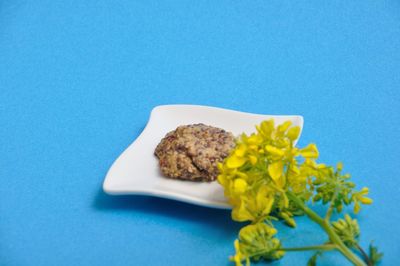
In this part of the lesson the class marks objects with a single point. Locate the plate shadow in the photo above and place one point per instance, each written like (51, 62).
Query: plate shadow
(216, 218)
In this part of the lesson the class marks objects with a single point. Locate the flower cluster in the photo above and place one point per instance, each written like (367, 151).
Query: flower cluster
(266, 177)
(259, 241)
(348, 230)
(262, 167)
(336, 188)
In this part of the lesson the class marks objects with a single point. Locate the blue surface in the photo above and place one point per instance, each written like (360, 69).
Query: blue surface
(79, 78)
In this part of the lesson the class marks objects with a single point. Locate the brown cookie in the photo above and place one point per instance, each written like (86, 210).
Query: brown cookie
(192, 152)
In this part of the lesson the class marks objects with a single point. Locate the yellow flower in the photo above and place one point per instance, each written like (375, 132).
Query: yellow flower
(293, 133)
(237, 158)
(339, 166)
(253, 159)
(275, 170)
(238, 257)
(235, 161)
(240, 150)
(260, 173)
(240, 213)
(263, 201)
(239, 186)
(282, 143)
(274, 151)
(283, 127)
(361, 196)
(254, 139)
(222, 179)
(310, 151)
(266, 128)
(366, 200)
(364, 191)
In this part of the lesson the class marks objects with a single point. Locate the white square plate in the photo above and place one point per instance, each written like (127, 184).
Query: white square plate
(136, 170)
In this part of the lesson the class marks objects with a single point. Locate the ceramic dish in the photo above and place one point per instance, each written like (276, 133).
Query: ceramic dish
(136, 170)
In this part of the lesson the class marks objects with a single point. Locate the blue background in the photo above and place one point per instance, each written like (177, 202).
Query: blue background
(78, 80)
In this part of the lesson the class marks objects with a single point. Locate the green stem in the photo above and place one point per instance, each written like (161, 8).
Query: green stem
(330, 209)
(325, 247)
(325, 225)
(365, 255)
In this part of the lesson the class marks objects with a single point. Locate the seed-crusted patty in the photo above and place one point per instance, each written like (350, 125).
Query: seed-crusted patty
(191, 152)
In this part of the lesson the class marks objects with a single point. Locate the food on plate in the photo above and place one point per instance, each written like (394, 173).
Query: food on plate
(191, 152)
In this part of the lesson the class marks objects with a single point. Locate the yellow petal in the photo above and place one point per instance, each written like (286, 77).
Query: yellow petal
(242, 175)
(364, 191)
(271, 231)
(356, 208)
(220, 166)
(264, 201)
(294, 151)
(266, 128)
(294, 170)
(222, 180)
(234, 161)
(280, 183)
(239, 186)
(241, 150)
(281, 143)
(237, 258)
(252, 159)
(339, 166)
(274, 150)
(275, 170)
(241, 214)
(253, 147)
(310, 151)
(293, 133)
(254, 140)
(283, 127)
(366, 200)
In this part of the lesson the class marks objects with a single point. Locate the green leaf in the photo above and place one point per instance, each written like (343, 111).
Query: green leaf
(374, 255)
(313, 260)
